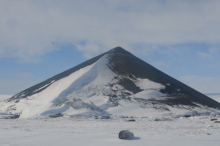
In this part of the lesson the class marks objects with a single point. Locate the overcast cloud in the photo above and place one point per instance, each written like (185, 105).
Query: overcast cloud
(180, 37)
(27, 27)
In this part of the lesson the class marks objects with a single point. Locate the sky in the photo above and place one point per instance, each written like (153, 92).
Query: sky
(39, 39)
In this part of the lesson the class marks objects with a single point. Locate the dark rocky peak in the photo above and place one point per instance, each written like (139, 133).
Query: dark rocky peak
(119, 50)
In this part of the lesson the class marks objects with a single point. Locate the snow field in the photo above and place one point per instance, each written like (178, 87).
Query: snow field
(74, 131)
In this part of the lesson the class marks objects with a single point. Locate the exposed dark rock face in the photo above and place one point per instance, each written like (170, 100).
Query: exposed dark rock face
(128, 66)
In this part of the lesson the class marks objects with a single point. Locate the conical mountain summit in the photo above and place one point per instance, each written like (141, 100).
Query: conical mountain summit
(115, 83)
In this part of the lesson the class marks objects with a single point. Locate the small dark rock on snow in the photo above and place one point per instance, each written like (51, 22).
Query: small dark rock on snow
(102, 117)
(12, 117)
(217, 121)
(130, 120)
(125, 134)
(56, 115)
(214, 119)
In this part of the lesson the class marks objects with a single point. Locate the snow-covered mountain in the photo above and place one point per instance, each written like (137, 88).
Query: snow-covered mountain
(115, 83)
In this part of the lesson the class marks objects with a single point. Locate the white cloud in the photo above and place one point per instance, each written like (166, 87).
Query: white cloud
(202, 84)
(24, 75)
(205, 55)
(212, 52)
(28, 26)
(89, 49)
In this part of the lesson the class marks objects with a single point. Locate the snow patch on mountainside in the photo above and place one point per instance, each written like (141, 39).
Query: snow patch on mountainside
(149, 94)
(146, 84)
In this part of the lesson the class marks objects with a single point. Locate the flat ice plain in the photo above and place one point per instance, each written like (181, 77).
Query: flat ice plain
(195, 131)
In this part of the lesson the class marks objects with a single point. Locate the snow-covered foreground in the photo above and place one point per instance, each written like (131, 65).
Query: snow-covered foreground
(194, 131)
(71, 131)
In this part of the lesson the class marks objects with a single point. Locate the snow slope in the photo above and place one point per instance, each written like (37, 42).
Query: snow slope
(41, 102)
